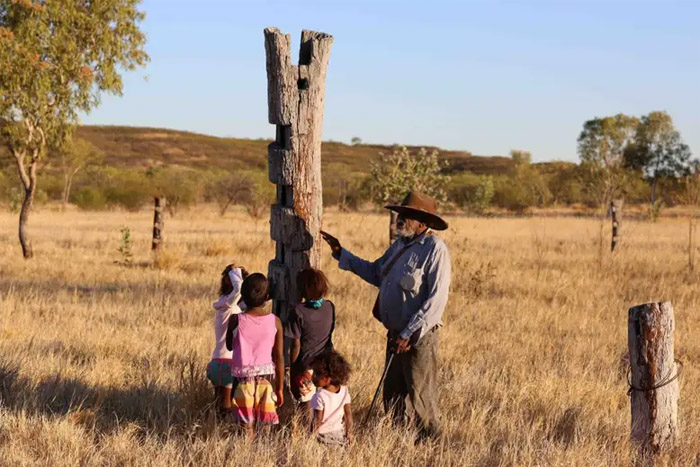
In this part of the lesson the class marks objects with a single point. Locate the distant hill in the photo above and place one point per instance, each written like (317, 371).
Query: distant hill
(145, 147)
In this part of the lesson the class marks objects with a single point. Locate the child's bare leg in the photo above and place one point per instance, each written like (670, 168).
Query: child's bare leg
(248, 430)
(225, 402)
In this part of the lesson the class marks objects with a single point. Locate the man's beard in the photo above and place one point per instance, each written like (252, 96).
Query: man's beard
(403, 232)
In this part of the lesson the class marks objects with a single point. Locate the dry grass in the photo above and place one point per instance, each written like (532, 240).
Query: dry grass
(104, 364)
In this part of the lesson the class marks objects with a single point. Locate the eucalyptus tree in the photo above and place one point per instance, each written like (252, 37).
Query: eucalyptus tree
(56, 58)
(658, 150)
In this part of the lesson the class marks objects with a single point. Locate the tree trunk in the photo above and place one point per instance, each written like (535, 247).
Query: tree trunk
(158, 223)
(27, 203)
(654, 385)
(653, 191)
(68, 185)
(295, 105)
(66, 189)
(393, 218)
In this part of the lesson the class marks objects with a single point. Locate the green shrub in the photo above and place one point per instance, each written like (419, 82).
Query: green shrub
(472, 192)
(128, 189)
(182, 187)
(89, 199)
(52, 185)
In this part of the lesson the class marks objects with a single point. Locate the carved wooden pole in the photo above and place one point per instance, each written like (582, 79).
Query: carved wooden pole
(295, 104)
(158, 223)
(615, 214)
(654, 384)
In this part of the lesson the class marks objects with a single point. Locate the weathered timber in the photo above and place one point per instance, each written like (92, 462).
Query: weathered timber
(158, 222)
(295, 105)
(616, 215)
(654, 382)
(393, 218)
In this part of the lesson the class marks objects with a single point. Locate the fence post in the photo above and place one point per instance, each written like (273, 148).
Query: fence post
(616, 215)
(654, 383)
(295, 105)
(393, 217)
(158, 222)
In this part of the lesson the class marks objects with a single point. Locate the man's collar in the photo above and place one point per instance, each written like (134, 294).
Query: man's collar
(419, 238)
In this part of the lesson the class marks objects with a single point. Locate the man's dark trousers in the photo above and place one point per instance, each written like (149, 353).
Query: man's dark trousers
(411, 384)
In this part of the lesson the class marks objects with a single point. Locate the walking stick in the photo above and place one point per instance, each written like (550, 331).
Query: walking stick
(379, 388)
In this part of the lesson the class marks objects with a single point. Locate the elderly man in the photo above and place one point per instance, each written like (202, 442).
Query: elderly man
(413, 277)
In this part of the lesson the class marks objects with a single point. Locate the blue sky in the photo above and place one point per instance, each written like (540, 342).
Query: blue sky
(481, 76)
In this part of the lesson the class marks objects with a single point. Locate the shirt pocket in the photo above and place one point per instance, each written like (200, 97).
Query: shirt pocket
(411, 281)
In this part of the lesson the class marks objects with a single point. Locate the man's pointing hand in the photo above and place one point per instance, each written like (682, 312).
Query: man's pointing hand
(333, 243)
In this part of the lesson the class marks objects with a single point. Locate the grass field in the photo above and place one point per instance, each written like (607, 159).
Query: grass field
(103, 364)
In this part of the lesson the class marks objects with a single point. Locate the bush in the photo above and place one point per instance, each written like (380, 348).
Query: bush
(524, 187)
(52, 185)
(127, 188)
(182, 187)
(472, 192)
(89, 199)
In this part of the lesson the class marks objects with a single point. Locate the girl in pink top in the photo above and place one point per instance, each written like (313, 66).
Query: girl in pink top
(258, 360)
(332, 420)
(229, 302)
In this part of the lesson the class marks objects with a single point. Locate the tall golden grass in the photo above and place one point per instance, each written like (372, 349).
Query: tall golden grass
(103, 364)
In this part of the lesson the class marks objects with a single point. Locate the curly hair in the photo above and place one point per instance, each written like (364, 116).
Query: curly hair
(312, 284)
(332, 365)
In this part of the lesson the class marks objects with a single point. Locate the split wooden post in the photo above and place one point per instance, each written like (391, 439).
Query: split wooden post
(654, 383)
(158, 222)
(616, 215)
(295, 105)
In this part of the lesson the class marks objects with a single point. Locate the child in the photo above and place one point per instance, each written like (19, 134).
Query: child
(310, 328)
(219, 368)
(258, 358)
(331, 404)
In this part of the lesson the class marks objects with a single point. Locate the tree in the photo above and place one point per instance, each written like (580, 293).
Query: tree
(658, 150)
(356, 140)
(56, 57)
(395, 174)
(231, 189)
(181, 186)
(76, 155)
(601, 147)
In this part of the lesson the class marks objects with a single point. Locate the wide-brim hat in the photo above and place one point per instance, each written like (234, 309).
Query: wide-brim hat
(421, 208)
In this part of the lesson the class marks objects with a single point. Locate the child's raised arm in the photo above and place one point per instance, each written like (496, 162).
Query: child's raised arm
(278, 357)
(235, 275)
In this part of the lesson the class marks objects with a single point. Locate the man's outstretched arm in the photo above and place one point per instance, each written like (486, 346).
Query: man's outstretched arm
(370, 271)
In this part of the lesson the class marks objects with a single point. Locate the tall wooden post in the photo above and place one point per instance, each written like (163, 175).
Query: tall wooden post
(158, 222)
(654, 383)
(615, 214)
(295, 105)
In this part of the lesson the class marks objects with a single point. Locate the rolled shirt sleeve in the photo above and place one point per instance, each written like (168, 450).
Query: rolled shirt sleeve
(438, 276)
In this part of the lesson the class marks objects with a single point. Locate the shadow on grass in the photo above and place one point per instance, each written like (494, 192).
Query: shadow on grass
(154, 409)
